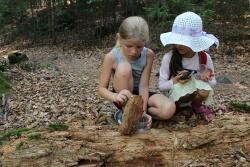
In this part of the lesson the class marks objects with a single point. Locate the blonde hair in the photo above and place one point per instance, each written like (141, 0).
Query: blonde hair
(134, 27)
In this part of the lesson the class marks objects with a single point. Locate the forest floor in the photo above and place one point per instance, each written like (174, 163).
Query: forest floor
(62, 88)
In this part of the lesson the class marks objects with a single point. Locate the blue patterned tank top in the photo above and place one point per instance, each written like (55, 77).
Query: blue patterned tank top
(137, 65)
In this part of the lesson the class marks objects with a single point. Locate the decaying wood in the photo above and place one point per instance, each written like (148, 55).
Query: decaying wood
(226, 142)
(131, 115)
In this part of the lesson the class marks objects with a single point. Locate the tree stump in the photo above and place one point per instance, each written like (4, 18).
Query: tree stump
(131, 115)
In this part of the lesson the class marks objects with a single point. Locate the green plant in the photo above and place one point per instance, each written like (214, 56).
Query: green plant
(159, 13)
(4, 83)
(21, 145)
(57, 127)
(163, 13)
(3, 66)
(240, 106)
(27, 66)
(12, 133)
(12, 11)
(35, 136)
(232, 18)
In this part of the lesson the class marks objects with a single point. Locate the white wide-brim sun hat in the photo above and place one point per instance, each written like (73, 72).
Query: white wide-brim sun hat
(187, 31)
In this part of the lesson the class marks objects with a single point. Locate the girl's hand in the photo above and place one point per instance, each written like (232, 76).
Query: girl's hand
(122, 97)
(206, 75)
(177, 78)
(149, 119)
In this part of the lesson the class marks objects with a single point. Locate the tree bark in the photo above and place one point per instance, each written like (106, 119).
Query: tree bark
(49, 18)
(33, 21)
(53, 23)
(131, 115)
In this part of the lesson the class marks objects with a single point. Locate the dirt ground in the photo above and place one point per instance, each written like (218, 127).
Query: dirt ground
(64, 89)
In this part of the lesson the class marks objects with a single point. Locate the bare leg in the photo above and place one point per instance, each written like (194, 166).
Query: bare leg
(161, 107)
(201, 109)
(123, 78)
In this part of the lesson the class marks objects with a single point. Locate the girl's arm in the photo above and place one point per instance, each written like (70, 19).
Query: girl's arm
(164, 82)
(144, 82)
(105, 75)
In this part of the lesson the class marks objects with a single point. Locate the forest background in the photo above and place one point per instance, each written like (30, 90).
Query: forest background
(50, 111)
(42, 22)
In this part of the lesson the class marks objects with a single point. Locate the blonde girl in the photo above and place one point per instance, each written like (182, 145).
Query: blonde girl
(130, 63)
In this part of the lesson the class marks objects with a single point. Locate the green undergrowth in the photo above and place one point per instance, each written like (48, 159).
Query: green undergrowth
(21, 145)
(35, 136)
(4, 66)
(32, 136)
(6, 135)
(57, 127)
(5, 84)
(243, 107)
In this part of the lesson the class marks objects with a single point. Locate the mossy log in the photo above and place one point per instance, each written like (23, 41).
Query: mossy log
(17, 57)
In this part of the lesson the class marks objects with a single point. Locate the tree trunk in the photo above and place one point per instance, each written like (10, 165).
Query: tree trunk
(49, 18)
(40, 3)
(53, 23)
(71, 2)
(33, 21)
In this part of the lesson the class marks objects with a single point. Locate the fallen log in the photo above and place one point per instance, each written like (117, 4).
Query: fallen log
(224, 142)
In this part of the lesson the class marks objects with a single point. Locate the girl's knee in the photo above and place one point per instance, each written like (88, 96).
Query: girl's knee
(123, 69)
(168, 110)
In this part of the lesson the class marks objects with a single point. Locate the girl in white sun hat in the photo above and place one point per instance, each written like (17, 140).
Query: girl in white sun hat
(187, 72)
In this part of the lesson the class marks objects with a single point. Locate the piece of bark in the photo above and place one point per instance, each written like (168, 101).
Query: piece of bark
(131, 115)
